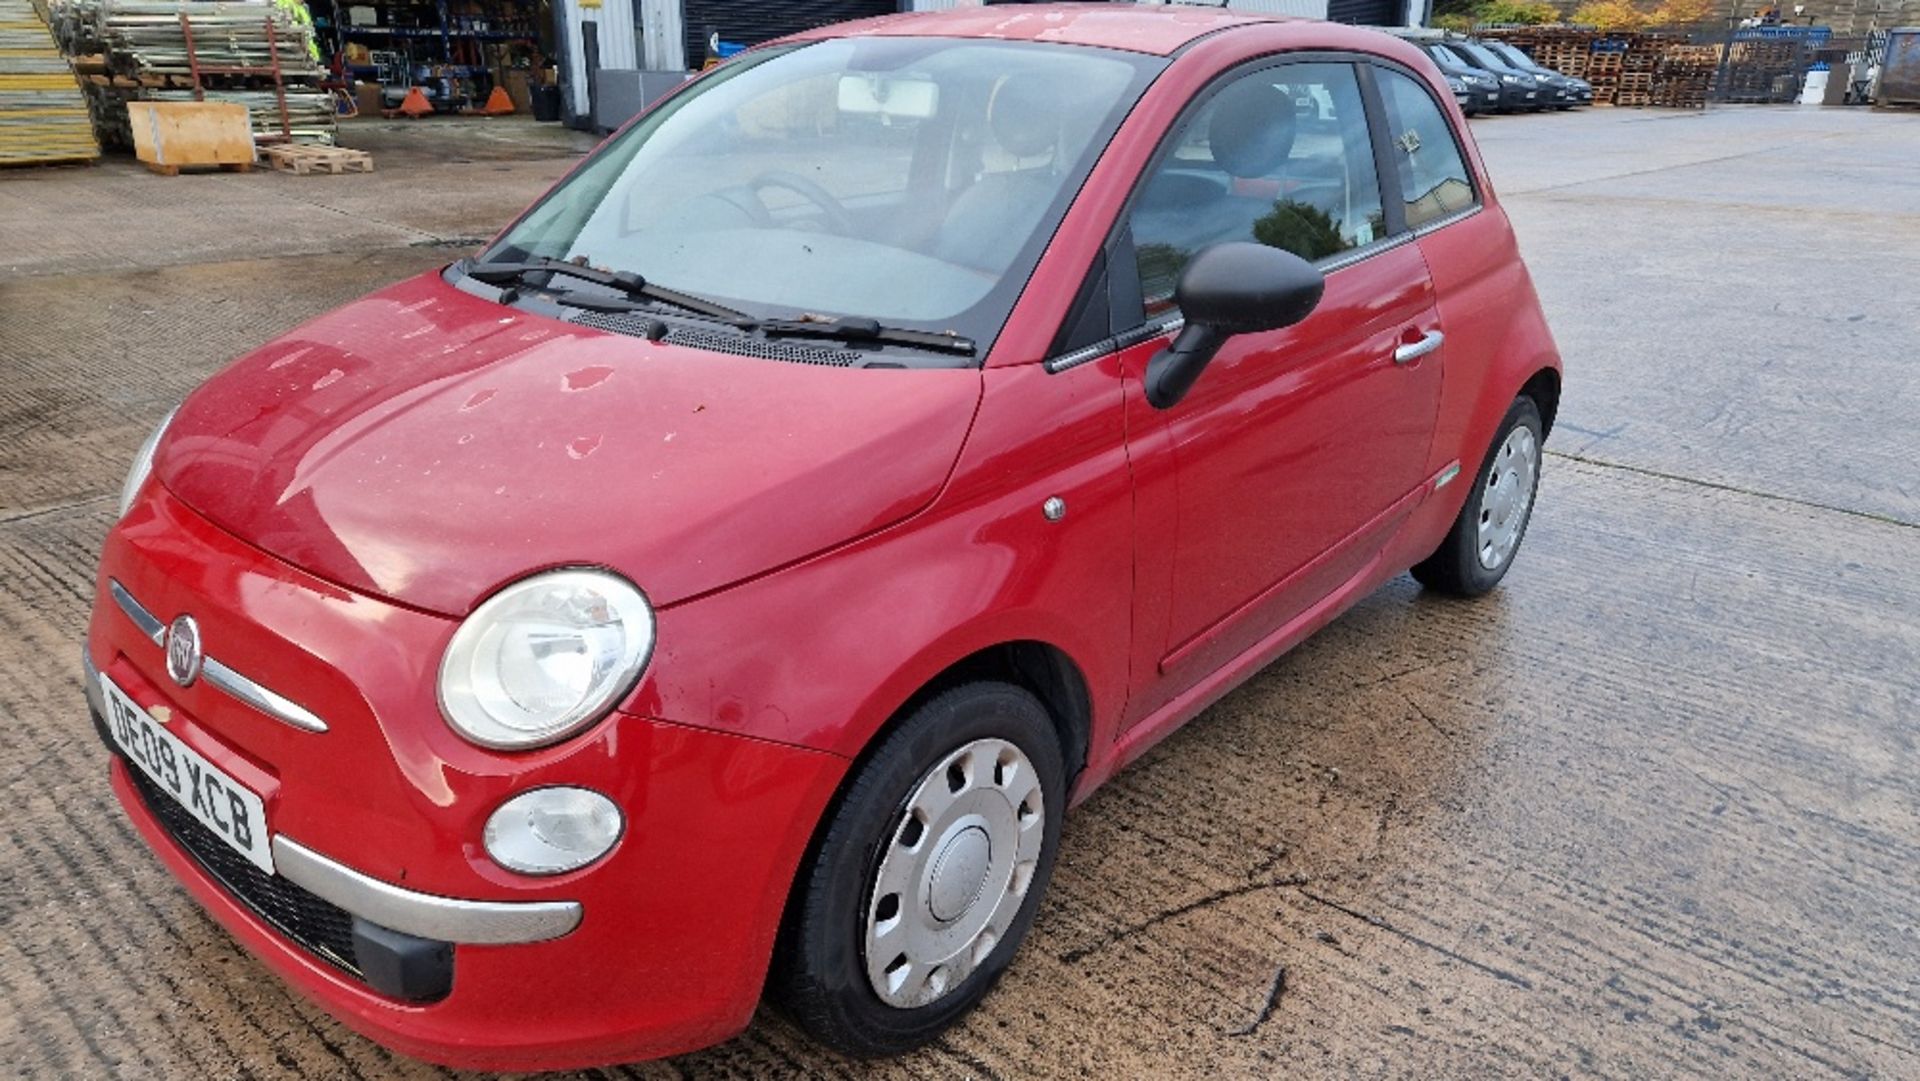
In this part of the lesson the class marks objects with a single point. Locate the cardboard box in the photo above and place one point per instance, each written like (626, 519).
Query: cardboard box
(519, 92)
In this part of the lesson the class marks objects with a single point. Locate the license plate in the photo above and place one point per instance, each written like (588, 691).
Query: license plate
(230, 809)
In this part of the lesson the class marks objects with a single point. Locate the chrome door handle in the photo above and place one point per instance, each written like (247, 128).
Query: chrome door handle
(1409, 353)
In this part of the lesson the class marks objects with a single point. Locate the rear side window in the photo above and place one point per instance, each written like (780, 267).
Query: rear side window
(1434, 180)
(1279, 156)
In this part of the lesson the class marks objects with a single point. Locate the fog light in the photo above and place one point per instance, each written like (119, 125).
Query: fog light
(552, 830)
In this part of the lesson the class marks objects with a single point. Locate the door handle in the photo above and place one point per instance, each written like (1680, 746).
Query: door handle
(1413, 351)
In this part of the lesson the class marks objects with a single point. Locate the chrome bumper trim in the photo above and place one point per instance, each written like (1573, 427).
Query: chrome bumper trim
(273, 704)
(91, 683)
(260, 698)
(149, 625)
(427, 915)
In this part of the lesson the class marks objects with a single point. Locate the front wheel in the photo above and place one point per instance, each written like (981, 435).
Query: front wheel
(1486, 535)
(927, 873)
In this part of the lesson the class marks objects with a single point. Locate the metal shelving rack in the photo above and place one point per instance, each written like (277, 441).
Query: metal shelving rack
(443, 65)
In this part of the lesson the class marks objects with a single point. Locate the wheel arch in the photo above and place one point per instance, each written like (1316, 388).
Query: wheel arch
(1038, 666)
(1543, 386)
(1033, 665)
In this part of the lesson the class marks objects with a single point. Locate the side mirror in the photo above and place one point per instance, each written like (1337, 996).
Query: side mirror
(1229, 289)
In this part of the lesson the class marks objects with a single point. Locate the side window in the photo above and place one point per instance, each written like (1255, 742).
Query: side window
(1434, 179)
(1279, 156)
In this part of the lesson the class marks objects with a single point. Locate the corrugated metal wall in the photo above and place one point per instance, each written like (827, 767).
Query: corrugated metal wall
(1366, 12)
(662, 35)
(750, 22)
(1304, 9)
(619, 43)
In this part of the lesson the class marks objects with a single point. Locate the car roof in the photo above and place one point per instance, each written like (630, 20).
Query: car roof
(1159, 29)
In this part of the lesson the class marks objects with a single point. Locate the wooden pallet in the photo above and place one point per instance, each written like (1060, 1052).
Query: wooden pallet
(302, 159)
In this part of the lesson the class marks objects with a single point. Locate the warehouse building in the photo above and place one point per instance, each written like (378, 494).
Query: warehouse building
(605, 58)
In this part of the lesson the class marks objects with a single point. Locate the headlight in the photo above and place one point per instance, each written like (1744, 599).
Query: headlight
(545, 657)
(143, 463)
(1511, 79)
(550, 831)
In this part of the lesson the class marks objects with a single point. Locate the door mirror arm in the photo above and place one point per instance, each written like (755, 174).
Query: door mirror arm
(1228, 289)
(1172, 371)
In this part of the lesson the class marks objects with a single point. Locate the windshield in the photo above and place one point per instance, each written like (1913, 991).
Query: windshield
(1483, 57)
(913, 181)
(1514, 56)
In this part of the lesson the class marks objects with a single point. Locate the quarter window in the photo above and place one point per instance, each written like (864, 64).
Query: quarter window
(1280, 156)
(1433, 177)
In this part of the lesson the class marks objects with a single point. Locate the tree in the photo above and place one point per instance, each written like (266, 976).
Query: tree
(1610, 15)
(1301, 228)
(1684, 13)
(1521, 12)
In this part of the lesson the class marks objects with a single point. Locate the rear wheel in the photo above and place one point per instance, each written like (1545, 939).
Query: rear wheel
(927, 873)
(1487, 534)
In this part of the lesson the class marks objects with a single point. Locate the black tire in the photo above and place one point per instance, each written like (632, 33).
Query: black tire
(819, 976)
(1455, 566)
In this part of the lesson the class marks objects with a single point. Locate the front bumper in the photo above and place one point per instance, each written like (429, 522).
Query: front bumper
(659, 948)
(1520, 97)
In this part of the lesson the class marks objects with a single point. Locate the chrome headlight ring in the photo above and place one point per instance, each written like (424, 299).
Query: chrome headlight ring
(545, 657)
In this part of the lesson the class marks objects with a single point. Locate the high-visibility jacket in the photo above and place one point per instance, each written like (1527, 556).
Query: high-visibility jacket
(296, 10)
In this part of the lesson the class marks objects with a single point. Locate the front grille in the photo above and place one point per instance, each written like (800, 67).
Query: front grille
(319, 927)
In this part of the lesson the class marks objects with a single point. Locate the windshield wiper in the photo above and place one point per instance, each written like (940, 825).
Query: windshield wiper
(633, 285)
(867, 330)
(626, 282)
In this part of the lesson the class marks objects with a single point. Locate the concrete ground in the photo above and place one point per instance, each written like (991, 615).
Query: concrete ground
(1649, 810)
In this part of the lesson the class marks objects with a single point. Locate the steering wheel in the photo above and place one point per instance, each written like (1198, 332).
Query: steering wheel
(831, 209)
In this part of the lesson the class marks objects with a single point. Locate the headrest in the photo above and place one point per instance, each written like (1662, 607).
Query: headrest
(1251, 131)
(1021, 115)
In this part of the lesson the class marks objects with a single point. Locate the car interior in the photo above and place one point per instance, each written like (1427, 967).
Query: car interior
(1282, 163)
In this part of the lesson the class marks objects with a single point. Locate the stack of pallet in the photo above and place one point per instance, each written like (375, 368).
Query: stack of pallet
(1637, 65)
(1566, 55)
(43, 115)
(1681, 80)
(1604, 68)
(1754, 71)
(137, 50)
(1624, 68)
(1566, 50)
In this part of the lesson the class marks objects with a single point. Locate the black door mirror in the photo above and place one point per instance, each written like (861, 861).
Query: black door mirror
(1229, 289)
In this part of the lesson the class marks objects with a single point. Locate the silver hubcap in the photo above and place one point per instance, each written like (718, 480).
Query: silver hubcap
(954, 872)
(1508, 497)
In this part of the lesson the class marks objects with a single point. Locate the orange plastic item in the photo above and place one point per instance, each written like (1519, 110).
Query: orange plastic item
(416, 103)
(498, 103)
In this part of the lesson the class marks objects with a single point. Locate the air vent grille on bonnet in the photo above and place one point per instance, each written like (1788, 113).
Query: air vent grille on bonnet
(719, 341)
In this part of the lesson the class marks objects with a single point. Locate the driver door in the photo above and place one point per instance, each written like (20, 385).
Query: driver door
(1298, 450)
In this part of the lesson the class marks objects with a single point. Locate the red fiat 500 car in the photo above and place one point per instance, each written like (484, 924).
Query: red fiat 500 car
(727, 580)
